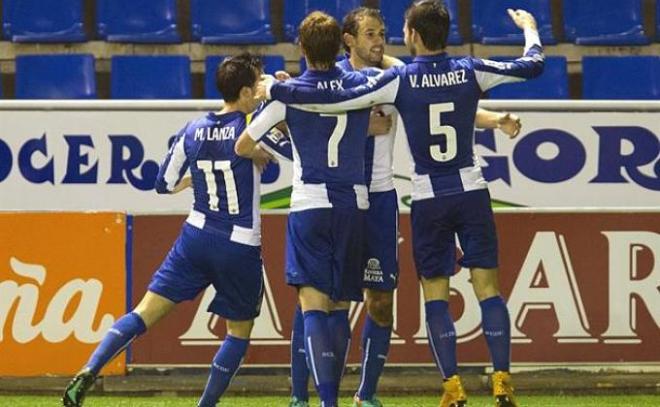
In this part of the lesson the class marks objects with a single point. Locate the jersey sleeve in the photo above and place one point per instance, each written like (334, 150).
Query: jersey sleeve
(277, 143)
(493, 73)
(176, 164)
(378, 90)
(266, 118)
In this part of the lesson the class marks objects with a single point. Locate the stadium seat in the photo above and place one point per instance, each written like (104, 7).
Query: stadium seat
(657, 20)
(296, 10)
(552, 84)
(621, 77)
(394, 10)
(272, 64)
(141, 21)
(491, 23)
(231, 22)
(55, 77)
(150, 77)
(604, 22)
(43, 20)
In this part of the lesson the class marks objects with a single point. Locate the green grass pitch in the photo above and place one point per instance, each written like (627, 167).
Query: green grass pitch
(403, 401)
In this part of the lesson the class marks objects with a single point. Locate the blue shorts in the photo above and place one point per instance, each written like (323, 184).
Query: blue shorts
(324, 250)
(435, 222)
(381, 264)
(198, 259)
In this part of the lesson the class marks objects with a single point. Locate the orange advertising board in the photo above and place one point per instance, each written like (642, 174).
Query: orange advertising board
(62, 285)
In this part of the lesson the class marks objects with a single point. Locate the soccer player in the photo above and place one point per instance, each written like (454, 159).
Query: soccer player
(436, 97)
(220, 242)
(363, 36)
(328, 203)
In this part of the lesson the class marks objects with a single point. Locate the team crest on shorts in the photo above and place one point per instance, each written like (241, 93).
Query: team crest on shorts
(373, 273)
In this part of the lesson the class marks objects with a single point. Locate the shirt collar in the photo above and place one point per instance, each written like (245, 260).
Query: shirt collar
(431, 58)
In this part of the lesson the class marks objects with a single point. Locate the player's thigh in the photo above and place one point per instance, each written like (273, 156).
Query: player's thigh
(348, 229)
(381, 267)
(309, 249)
(435, 288)
(485, 282)
(181, 276)
(476, 231)
(237, 275)
(434, 245)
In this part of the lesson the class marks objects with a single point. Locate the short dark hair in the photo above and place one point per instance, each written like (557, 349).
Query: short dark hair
(430, 19)
(320, 38)
(235, 73)
(351, 23)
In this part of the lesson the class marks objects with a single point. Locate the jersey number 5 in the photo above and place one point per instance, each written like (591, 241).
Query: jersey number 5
(437, 129)
(230, 184)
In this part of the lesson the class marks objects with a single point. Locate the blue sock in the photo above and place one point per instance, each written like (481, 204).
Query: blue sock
(120, 335)
(299, 370)
(340, 329)
(320, 356)
(442, 336)
(497, 330)
(375, 346)
(225, 364)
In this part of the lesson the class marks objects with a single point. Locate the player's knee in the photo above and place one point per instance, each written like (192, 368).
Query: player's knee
(380, 308)
(240, 329)
(485, 282)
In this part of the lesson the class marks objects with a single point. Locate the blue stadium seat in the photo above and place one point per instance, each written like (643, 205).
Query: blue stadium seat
(491, 23)
(150, 77)
(621, 77)
(604, 22)
(43, 20)
(296, 10)
(231, 22)
(394, 10)
(272, 64)
(657, 20)
(552, 84)
(55, 77)
(141, 21)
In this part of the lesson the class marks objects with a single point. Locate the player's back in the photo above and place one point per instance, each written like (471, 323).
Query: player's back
(437, 101)
(226, 187)
(329, 149)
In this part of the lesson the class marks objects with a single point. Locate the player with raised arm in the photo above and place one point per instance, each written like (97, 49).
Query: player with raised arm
(363, 36)
(436, 97)
(328, 203)
(220, 242)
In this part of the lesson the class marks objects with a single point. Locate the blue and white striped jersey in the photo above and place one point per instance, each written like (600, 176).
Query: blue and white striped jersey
(226, 187)
(328, 149)
(379, 161)
(436, 97)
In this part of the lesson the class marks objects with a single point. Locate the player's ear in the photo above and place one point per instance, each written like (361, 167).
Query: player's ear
(349, 39)
(246, 93)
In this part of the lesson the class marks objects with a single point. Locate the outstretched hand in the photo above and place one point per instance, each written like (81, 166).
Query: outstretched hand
(522, 19)
(509, 124)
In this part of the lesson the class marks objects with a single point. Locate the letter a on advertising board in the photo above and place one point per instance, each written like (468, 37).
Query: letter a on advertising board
(62, 285)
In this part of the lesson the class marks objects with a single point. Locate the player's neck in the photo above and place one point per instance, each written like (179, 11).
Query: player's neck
(358, 63)
(231, 108)
(422, 51)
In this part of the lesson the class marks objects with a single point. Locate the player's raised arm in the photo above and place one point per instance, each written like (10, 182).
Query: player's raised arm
(173, 167)
(379, 90)
(278, 144)
(492, 73)
(269, 117)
